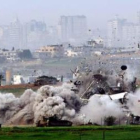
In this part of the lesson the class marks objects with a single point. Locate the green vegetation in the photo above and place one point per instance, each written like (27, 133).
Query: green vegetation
(71, 133)
(16, 91)
(64, 62)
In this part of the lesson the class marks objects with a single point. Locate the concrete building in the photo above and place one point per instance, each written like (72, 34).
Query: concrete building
(115, 32)
(35, 33)
(138, 17)
(15, 34)
(129, 35)
(92, 47)
(4, 42)
(15, 55)
(10, 55)
(36, 26)
(50, 51)
(73, 27)
(123, 34)
(74, 51)
(20, 79)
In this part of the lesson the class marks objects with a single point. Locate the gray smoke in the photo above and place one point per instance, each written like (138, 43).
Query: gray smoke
(33, 106)
(134, 102)
(61, 101)
(100, 107)
(49, 101)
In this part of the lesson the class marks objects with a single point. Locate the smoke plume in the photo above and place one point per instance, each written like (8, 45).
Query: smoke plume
(48, 101)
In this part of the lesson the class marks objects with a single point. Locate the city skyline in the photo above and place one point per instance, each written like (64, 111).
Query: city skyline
(35, 23)
(70, 29)
(97, 12)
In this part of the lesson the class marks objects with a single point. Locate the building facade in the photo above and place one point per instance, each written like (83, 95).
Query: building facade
(115, 32)
(49, 51)
(15, 34)
(73, 27)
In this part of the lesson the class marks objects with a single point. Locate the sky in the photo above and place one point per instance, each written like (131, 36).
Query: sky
(98, 12)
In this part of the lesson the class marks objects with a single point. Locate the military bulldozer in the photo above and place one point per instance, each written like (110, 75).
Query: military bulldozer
(53, 121)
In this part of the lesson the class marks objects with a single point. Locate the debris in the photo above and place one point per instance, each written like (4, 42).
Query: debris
(124, 67)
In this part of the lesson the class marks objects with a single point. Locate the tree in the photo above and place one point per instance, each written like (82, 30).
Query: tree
(25, 54)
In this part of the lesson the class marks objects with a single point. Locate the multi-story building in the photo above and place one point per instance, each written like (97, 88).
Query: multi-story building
(15, 34)
(138, 17)
(73, 27)
(15, 55)
(137, 30)
(115, 32)
(9, 55)
(89, 49)
(124, 34)
(52, 35)
(129, 35)
(36, 26)
(35, 34)
(49, 51)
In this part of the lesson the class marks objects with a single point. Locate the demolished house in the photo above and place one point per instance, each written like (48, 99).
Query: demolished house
(89, 83)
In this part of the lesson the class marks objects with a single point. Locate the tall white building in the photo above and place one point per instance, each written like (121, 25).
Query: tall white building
(73, 27)
(15, 34)
(36, 34)
(138, 17)
(115, 32)
(129, 35)
(137, 28)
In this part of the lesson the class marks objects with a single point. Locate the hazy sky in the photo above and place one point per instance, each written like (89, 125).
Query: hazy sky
(98, 12)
